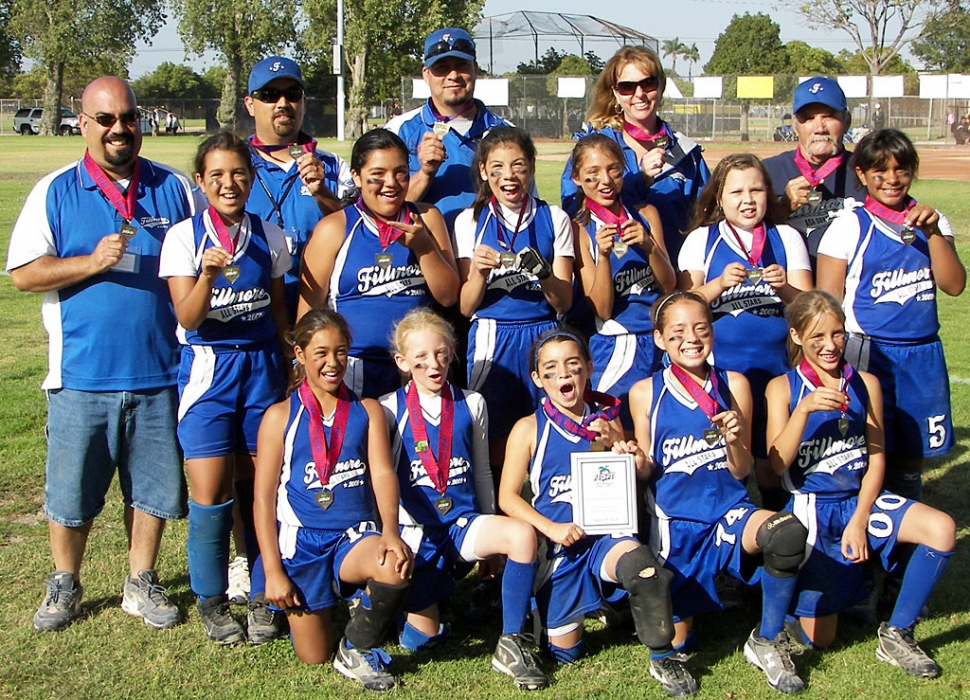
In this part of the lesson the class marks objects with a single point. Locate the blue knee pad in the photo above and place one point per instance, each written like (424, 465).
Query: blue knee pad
(208, 548)
(568, 655)
(413, 639)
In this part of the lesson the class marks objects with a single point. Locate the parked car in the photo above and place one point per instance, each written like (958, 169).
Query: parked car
(27, 121)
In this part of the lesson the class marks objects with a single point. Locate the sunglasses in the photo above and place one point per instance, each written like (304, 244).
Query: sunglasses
(109, 120)
(462, 45)
(292, 94)
(628, 87)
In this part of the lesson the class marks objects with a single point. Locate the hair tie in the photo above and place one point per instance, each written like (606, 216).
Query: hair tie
(555, 335)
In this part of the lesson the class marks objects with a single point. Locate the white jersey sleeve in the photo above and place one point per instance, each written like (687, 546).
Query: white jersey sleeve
(795, 251)
(278, 250)
(465, 226)
(563, 230)
(841, 237)
(692, 252)
(32, 237)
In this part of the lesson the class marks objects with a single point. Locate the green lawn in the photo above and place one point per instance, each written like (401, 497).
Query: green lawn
(106, 654)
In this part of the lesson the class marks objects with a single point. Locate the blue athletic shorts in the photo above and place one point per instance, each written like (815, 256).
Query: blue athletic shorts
(92, 434)
(223, 394)
(915, 392)
(696, 552)
(619, 362)
(827, 582)
(371, 379)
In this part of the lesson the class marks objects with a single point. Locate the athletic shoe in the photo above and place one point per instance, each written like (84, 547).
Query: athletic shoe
(238, 591)
(62, 603)
(515, 657)
(897, 647)
(773, 657)
(798, 643)
(144, 597)
(219, 624)
(673, 675)
(366, 666)
(264, 623)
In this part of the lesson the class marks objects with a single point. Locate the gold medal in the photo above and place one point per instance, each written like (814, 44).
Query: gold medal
(620, 247)
(508, 259)
(755, 274)
(231, 273)
(325, 499)
(127, 231)
(295, 151)
(712, 436)
(814, 197)
(384, 260)
(443, 504)
(907, 235)
(440, 129)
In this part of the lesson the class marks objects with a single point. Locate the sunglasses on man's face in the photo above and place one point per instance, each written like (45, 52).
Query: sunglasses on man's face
(462, 45)
(628, 87)
(292, 94)
(109, 120)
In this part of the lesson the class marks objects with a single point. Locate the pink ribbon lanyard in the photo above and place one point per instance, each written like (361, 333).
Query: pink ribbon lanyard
(123, 205)
(437, 468)
(325, 456)
(814, 177)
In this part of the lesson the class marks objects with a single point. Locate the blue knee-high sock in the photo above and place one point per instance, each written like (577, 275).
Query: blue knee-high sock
(257, 578)
(517, 595)
(776, 593)
(208, 548)
(922, 574)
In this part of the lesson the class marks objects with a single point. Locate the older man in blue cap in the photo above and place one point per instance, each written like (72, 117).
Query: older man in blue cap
(814, 181)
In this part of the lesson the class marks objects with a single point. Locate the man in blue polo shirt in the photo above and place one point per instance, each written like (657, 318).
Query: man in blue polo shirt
(89, 237)
(296, 183)
(442, 135)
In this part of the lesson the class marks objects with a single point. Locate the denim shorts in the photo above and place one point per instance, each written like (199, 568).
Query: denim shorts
(91, 434)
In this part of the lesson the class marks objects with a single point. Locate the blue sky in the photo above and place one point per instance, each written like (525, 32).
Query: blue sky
(693, 22)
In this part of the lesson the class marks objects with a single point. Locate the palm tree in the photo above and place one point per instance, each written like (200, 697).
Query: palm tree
(672, 47)
(692, 55)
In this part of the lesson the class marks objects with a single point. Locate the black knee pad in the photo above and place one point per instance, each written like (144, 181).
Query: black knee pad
(782, 541)
(368, 625)
(648, 585)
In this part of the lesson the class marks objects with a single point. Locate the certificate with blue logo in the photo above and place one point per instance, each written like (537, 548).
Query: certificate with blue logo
(604, 493)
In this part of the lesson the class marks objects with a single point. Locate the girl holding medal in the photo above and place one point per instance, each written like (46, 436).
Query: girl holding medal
(826, 439)
(323, 461)
(577, 572)
(624, 269)
(515, 257)
(440, 446)
(747, 267)
(225, 272)
(896, 250)
(375, 261)
(693, 422)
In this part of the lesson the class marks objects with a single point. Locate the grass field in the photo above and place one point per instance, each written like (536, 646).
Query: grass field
(106, 654)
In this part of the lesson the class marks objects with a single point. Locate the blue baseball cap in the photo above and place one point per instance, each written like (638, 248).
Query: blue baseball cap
(269, 69)
(823, 91)
(450, 41)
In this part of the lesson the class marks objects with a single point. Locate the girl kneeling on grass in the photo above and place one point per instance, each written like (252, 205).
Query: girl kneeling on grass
(323, 460)
(825, 436)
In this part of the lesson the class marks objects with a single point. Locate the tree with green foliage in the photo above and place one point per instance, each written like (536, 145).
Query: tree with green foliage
(545, 65)
(29, 84)
(58, 33)
(692, 55)
(749, 45)
(241, 32)
(673, 48)
(9, 49)
(949, 48)
(170, 80)
(809, 60)
(596, 64)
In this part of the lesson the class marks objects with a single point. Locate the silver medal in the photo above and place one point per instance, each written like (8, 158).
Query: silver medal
(384, 260)
(295, 152)
(508, 260)
(843, 425)
(907, 235)
(754, 275)
(325, 499)
(712, 435)
(620, 247)
(231, 273)
(443, 505)
(814, 197)
(440, 129)
(127, 231)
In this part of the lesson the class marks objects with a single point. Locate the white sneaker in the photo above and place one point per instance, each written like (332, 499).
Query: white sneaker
(238, 591)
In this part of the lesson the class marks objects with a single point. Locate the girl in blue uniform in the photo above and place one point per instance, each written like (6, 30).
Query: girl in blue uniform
(624, 269)
(225, 272)
(748, 267)
(515, 256)
(693, 423)
(440, 448)
(577, 572)
(885, 262)
(826, 439)
(375, 261)
(323, 461)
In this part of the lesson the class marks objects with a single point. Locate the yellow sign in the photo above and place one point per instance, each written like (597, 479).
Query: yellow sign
(756, 87)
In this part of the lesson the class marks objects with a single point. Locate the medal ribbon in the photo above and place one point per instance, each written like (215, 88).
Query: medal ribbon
(604, 214)
(816, 176)
(222, 231)
(123, 205)
(707, 402)
(812, 376)
(309, 145)
(642, 136)
(437, 468)
(757, 243)
(325, 456)
(610, 410)
(884, 212)
(500, 234)
(385, 232)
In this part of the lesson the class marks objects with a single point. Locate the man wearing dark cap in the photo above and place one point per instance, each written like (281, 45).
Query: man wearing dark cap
(296, 184)
(442, 135)
(814, 181)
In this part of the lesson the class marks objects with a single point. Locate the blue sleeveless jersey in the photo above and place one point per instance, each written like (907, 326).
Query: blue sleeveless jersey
(550, 469)
(827, 461)
(418, 492)
(749, 319)
(635, 287)
(239, 312)
(690, 480)
(371, 297)
(353, 500)
(890, 292)
(511, 295)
